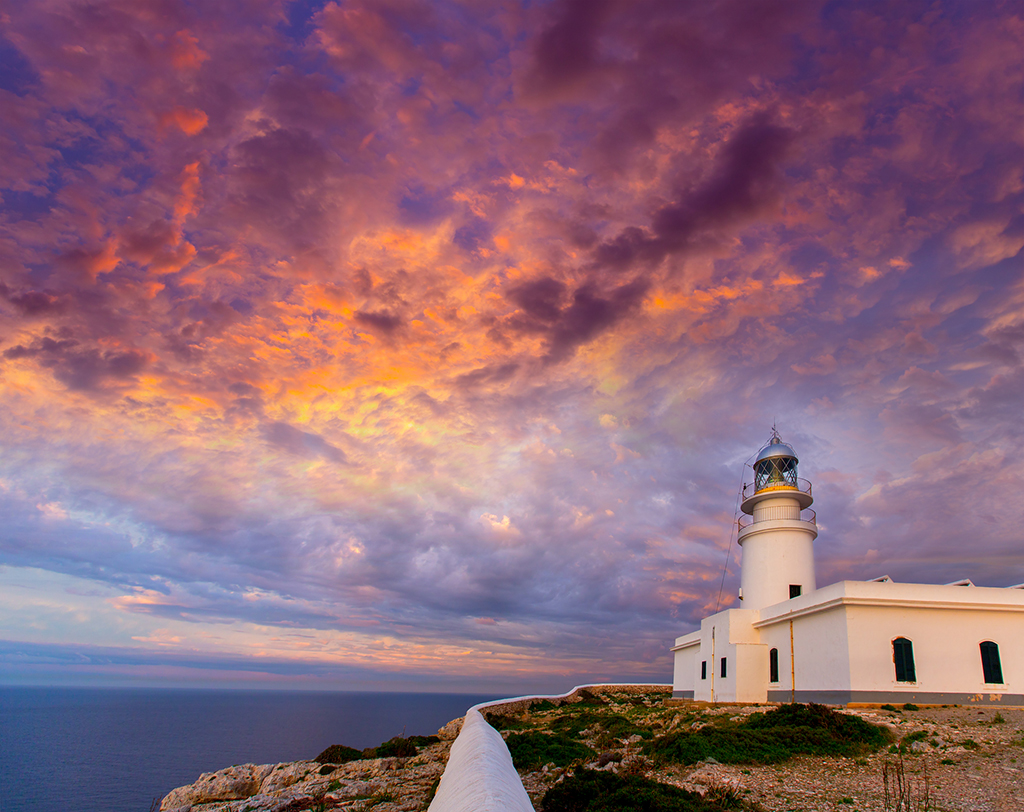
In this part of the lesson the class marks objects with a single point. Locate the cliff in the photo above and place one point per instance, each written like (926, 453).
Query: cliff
(955, 758)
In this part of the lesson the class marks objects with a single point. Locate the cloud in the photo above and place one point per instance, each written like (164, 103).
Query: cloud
(301, 443)
(288, 307)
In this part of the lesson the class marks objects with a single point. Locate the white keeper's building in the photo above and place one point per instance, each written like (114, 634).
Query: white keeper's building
(850, 642)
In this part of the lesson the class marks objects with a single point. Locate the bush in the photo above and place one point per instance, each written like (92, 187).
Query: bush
(910, 738)
(500, 721)
(593, 791)
(768, 738)
(910, 706)
(338, 754)
(618, 727)
(892, 708)
(424, 741)
(530, 750)
(396, 747)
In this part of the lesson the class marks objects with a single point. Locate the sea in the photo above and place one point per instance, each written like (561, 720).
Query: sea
(119, 749)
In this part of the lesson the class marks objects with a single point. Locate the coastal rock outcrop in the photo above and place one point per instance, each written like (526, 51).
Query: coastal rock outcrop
(230, 784)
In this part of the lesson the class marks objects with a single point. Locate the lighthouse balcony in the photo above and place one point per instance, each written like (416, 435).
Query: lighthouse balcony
(796, 491)
(782, 484)
(775, 513)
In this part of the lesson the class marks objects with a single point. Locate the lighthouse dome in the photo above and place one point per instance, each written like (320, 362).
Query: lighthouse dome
(776, 448)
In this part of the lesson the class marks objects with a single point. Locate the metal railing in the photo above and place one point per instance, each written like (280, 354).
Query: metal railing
(802, 485)
(805, 515)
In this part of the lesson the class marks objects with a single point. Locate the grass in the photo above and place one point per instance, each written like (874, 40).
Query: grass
(768, 738)
(531, 750)
(593, 791)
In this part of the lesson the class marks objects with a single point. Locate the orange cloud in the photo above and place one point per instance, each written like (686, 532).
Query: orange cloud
(190, 121)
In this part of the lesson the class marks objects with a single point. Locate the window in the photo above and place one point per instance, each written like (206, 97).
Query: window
(903, 657)
(794, 590)
(773, 665)
(990, 663)
(704, 669)
(723, 668)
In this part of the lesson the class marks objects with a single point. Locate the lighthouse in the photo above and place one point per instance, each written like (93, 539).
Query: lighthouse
(869, 642)
(777, 530)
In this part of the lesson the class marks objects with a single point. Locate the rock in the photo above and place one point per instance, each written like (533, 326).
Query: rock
(353, 789)
(233, 783)
(284, 775)
(450, 730)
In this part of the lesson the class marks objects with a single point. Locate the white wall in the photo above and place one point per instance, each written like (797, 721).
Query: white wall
(843, 641)
(685, 670)
(479, 776)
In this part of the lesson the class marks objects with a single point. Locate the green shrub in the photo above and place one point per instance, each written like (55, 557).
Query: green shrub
(616, 726)
(530, 750)
(969, 744)
(593, 791)
(338, 754)
(424, 741)
(543, 705)
(910, 738)
(998, 719)
(383, 797)
(892, 708)
(502, 722)
(910, 706)
(396, 747)
(768, 738)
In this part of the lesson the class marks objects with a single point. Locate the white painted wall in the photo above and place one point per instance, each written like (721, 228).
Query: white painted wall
(843, 637)
(685, 668)
(479, 776)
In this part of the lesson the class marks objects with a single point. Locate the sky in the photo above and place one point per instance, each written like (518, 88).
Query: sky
(421, 346)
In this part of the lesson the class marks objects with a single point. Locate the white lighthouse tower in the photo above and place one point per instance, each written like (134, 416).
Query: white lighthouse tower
(778, 539)
(870, 642)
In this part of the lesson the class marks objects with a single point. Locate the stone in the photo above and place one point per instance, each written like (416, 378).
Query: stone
(450, 730)
(233, 783)
(283, 776)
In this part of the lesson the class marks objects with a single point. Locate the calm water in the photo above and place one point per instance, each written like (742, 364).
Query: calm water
(115, 750)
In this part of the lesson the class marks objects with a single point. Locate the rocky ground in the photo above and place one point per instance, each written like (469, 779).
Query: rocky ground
(958, 759)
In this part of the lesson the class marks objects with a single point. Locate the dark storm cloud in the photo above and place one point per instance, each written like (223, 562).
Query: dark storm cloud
(301, 443)
(81, 368)
(567, 49)
(541, 298)
(379, 320)
(592, 313)
(742, 184)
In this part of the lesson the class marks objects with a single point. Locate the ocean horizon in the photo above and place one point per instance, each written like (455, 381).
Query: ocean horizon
(117, 749)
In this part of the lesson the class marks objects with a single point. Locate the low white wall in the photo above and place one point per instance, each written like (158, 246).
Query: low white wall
(479, 776)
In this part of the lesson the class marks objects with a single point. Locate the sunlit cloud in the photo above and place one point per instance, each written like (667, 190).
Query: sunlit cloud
(429, 339)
